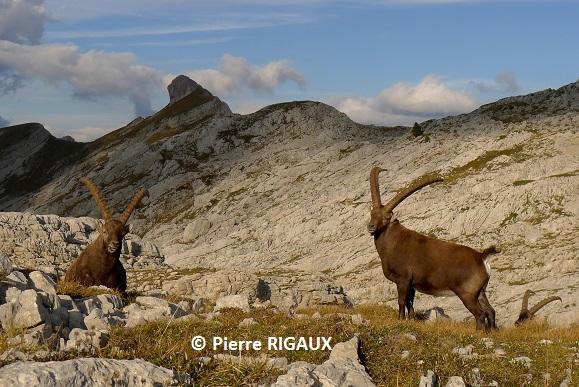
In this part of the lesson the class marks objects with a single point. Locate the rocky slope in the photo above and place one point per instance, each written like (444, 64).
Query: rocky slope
(284, 191)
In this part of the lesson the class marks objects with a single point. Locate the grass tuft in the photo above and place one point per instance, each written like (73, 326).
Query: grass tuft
(76, 290)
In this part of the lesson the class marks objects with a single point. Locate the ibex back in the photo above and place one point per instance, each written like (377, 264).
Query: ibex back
(99, 263)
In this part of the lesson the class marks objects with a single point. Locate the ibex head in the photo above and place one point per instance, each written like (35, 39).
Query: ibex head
(528, 314)
(381, 215)
(114, 229)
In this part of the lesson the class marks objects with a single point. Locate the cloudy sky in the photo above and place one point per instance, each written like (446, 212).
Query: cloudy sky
(87, 67)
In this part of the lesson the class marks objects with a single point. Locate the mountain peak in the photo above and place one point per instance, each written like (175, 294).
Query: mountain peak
(182, 86)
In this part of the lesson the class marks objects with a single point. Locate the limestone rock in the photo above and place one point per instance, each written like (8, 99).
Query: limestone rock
(147, 309)
(43, 282)
(429, 380)
(5, 265)
(81, 340)
(239, 301)
(27, 311)
(182, 86)
(247, 322)
(342, 369)
(196, 229)
(455, 381)
(89, 372)
(97, 320)
(50, 242)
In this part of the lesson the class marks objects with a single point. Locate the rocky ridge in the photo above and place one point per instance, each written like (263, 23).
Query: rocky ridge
(285, 191)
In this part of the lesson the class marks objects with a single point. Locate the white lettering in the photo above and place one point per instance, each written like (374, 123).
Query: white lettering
(272, 344)
(326, 343)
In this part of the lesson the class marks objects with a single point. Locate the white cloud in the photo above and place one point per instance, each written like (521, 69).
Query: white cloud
(505, 82)
(223, 23)
(403, 103)
(236, 75)
(91, 74)
(169, 43)
(22, 21)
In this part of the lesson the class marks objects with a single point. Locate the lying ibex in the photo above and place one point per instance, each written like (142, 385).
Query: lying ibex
(417, 262)
(99, 263)
(528, 314)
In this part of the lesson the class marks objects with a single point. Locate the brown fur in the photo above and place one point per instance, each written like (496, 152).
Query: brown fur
(418, 262)
(99, 263)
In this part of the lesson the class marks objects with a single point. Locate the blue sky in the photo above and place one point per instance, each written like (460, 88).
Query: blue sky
(85, 67)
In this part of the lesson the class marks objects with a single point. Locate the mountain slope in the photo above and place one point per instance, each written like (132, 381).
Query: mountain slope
(30, 157)
(285, 189)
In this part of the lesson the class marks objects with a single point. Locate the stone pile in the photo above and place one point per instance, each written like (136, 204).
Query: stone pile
(284, 291)
(30, 302)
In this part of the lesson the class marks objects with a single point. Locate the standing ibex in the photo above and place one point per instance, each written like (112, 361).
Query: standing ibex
(528, 314)
(99, 263)
(417, 262)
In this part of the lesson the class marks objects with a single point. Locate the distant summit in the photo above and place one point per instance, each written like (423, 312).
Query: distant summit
(68, 138)
(182, 86)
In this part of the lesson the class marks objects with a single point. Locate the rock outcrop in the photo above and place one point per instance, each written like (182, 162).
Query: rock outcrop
(53, 242)
(342, 369)
(89, 372)
(182, 86)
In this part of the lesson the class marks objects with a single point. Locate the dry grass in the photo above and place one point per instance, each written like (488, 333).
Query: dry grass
(76, 290)
(167, 343)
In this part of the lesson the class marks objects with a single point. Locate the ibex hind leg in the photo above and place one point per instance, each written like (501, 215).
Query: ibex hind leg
(471, 302)
(488, 309)
(405, 299)
(410, 303)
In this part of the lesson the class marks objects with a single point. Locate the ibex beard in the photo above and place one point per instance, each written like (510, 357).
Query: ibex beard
(99, 263)
(418, 262)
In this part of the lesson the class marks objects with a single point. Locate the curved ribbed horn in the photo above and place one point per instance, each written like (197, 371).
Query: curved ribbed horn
(413, 187)
(541, 304)
(525, 303)
(98, 197)
(132, 205)
(375, 187)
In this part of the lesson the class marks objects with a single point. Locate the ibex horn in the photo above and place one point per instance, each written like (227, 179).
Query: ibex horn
(98, 197)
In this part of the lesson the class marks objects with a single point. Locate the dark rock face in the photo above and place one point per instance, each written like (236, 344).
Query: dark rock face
(68, 138)
(30, 157)
(182, 86)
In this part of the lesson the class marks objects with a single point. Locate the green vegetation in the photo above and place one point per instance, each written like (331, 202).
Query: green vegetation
(197, 98)
(513, 111)
(567, 174)
(233, 194)
(417, 130)
(161, 134)
(516, 153)
(346, 151)
(518, 282)
(511, 218)
(522, 182)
